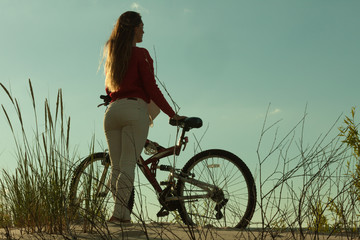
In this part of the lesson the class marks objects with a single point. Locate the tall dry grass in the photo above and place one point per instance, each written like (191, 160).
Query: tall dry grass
(304, 189)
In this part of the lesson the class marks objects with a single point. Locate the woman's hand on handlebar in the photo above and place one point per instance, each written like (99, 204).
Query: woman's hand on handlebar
(177, 117)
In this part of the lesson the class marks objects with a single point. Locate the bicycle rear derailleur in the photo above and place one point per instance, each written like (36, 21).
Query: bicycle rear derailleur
(219, 197)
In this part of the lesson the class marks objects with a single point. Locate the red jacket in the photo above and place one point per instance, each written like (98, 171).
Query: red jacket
(139, 82)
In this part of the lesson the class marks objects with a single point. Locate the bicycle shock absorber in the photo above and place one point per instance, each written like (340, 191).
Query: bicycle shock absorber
(178, 173)
(166, 168)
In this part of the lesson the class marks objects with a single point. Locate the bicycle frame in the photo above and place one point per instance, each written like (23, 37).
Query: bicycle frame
(150, 172)
(153, 161)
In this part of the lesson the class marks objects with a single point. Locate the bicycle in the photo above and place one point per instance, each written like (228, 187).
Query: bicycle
(214, 188)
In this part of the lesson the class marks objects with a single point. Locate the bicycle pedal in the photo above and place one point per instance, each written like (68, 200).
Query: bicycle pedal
(219, 215)
(162, 213)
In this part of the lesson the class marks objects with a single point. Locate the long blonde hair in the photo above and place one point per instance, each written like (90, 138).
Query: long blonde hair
(118, 48)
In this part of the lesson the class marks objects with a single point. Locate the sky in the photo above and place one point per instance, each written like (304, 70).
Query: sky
(222, 61)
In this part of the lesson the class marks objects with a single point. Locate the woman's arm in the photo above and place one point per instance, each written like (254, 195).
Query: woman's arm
(148, 78)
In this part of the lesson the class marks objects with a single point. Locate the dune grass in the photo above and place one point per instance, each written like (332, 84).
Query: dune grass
(35, 193)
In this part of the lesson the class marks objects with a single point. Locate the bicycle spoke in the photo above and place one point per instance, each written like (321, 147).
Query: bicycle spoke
(90, 189)
(228, 205)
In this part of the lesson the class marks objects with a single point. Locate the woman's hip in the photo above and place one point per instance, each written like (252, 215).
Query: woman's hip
(127, 111)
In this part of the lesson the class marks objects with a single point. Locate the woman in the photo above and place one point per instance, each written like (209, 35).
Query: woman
(131, 84)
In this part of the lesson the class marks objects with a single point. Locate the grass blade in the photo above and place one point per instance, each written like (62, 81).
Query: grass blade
(7, 92)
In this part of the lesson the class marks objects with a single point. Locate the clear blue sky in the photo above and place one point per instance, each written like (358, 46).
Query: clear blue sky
(223, 61)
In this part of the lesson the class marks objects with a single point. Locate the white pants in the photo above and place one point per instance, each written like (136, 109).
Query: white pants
(126, 125)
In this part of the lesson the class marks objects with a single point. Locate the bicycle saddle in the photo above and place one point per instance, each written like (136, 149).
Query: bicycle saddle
(187, 123)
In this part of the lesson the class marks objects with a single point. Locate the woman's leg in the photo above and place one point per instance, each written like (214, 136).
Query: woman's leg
(113, 138)
(126, 129)
(133, 141)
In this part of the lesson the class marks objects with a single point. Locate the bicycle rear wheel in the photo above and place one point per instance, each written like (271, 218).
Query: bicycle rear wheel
(234, 196)
(90, 194)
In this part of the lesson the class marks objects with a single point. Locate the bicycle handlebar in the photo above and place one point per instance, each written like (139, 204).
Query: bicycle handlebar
(106, 99)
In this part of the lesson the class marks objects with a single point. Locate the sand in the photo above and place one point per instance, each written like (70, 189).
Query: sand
(163, 231)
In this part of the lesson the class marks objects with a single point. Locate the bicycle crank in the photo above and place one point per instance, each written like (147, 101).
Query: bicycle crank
(166, 204)
(163, 212)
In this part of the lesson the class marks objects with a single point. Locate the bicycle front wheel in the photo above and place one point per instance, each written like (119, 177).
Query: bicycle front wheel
(89, 188)
(90, 194)
(230, 204)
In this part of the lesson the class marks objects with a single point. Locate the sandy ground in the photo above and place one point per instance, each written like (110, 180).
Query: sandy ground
(163, 231)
